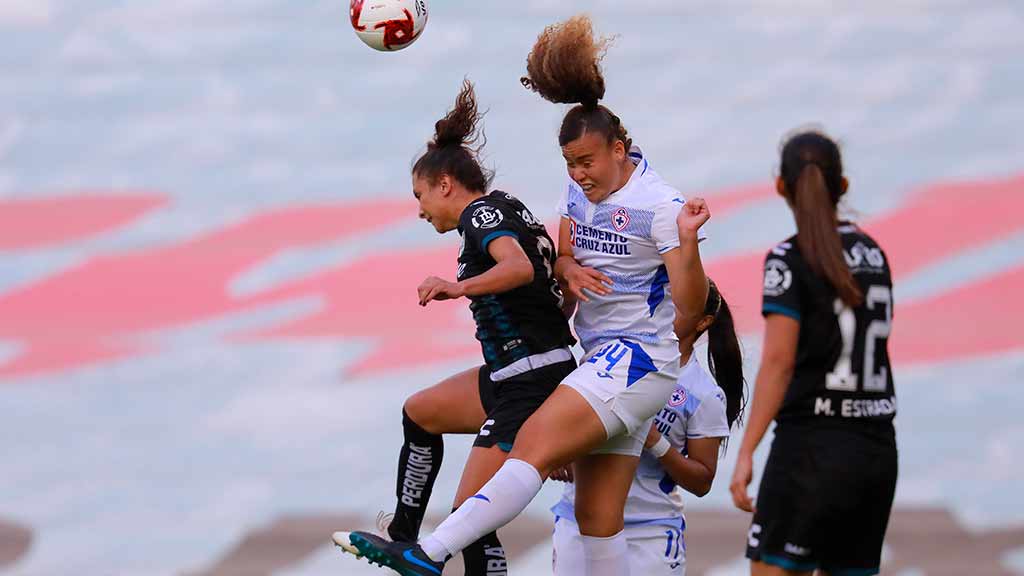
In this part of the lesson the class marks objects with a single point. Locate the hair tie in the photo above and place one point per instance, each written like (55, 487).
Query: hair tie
(718, 300)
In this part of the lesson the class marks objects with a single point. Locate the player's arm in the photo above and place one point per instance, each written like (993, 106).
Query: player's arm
(512, 270)
(569, 300)
(778, 358)
(695, 472)
(685, 270)
(571, 276)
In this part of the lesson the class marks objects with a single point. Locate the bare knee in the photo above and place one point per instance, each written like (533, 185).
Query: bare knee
(424, 411)
(599, 523)
(532, 449)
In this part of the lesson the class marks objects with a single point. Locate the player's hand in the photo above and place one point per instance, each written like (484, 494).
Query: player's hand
(694, 214)
(579, 278)
(563, 474)
(652, 437)
(741, 478)
(434, 288)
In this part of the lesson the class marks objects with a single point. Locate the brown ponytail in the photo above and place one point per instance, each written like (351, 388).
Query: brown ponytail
(813, 174)
(564, 67)
(456, 143)
(725, 358)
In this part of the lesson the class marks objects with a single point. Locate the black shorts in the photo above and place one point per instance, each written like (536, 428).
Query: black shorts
(510, 402)
(824, 502)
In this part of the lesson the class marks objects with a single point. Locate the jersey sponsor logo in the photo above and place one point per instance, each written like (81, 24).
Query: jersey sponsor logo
(796, 550)
(512, 344)
(620, 219)
(678, 398)
(777, 277)
(666, 419)
(486, 217)
(861, 257)
(598, 240)
(781, 249)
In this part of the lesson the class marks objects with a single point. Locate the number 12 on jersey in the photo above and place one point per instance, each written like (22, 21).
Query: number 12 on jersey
(844, 375)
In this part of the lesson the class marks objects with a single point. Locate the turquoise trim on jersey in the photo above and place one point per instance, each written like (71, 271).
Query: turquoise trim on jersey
(505, 447)
(786, 563)
(506, 331)
(495, 235)
(853, 571)
(657, 294)
(772, 308)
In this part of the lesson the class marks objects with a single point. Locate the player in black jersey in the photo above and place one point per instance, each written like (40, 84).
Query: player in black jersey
(505, 269)
(825, 378)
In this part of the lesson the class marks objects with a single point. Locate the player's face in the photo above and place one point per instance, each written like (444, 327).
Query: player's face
(433, 207)
(594, 164)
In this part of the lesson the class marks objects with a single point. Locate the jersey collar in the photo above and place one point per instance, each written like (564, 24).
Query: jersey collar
(636, 156)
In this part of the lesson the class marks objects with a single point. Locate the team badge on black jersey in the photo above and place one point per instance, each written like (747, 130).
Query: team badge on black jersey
(777, 277)
(525, 321)
(485, 217)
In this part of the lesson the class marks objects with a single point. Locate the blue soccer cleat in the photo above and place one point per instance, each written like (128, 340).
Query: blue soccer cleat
(406, 558)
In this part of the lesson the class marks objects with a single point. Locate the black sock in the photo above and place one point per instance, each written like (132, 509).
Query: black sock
(418, 465)
(485, 557)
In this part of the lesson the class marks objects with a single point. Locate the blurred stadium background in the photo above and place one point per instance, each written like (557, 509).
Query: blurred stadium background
(209, 254)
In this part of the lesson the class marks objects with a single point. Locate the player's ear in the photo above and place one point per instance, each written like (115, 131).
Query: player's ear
(780, 186)
(619, 150)
(444, 184)
(844, 185)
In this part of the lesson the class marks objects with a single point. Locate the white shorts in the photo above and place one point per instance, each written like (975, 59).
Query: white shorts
(626, 383)
(654, 549)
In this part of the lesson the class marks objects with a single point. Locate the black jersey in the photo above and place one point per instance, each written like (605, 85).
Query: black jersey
(527, 320)
(842, 370)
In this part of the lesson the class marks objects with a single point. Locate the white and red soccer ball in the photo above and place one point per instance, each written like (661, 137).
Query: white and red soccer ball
(388, 25)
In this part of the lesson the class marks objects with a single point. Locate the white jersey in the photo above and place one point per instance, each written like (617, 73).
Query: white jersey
(624, 237)
(695, 410)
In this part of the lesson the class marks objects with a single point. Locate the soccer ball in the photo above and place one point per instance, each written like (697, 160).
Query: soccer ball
(388, 25)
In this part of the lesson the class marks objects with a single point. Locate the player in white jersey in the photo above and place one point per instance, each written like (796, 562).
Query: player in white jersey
(647, 239)
(626, 331)
(681, 452)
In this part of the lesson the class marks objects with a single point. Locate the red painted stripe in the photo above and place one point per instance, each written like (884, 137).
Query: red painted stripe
(46, 222)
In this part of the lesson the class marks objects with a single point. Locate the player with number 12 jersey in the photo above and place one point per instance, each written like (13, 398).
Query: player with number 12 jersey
(826, 379)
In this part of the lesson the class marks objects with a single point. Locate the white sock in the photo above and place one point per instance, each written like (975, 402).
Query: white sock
(507, 494)
(606, 556)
